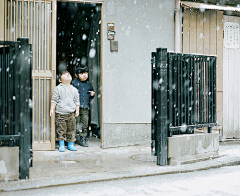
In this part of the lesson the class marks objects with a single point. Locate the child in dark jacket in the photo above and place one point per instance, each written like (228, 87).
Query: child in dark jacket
(86, 93)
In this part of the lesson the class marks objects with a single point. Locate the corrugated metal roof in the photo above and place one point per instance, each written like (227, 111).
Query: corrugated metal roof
(209, 6)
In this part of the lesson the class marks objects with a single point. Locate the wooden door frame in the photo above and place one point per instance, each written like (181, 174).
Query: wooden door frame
(54, 57)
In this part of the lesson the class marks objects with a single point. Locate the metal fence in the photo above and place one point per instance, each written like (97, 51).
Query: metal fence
(183, 96)
(15, 100)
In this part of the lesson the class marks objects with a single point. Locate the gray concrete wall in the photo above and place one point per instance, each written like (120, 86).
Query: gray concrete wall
(187, 148)
(141, 27)
(9, 163)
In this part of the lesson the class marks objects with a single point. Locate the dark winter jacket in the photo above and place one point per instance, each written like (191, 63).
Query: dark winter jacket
(84, 94)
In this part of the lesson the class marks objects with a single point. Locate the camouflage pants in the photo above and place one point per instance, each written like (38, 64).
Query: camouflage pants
(82, 122)
(66, 127)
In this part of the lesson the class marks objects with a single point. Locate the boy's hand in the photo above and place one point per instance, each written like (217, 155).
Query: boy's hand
(76, 113)
(92, 93)
(51, 113)
(53, 105)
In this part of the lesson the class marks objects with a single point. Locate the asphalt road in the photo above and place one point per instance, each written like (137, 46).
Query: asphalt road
(220, 181)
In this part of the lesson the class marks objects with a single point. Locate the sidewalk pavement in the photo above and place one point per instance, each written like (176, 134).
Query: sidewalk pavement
(92, 164)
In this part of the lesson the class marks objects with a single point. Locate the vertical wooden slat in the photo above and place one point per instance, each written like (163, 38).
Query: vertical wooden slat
(186, 21)
(19, 19)
(28, 17)
(38, 109)
(16, 29)
(33, 69)
(5, 23)
(10, 20)
(33, 109)
(213, 33)
(48, 42)
(34, 37)
(220, 67)
(53, 68)
(39, 38)
(200, 32)
(206, 32)
(193, 34)
(45, 36)
(13, 31)
(44, 110)
(22, 19)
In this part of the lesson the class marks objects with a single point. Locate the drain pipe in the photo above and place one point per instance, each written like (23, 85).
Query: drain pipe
(177, 26)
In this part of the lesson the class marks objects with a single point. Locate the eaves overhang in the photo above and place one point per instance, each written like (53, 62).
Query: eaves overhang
(203, 6)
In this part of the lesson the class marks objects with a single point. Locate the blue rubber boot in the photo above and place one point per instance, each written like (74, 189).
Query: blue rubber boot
(61, 146)
(71, 146)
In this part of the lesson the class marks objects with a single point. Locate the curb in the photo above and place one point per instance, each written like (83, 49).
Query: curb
(41, 183)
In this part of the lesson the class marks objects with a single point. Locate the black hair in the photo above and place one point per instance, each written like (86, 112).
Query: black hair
(62, 73)
(80, 69)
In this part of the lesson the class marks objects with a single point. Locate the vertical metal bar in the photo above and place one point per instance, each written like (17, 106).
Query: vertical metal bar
(183, 102)
(154, 106)
(205, 92)
(11, 90)
(209, 97)
(186, 89)
(25, 95)
(16, 88)
(211, 89)
(214, 104)
(174, 88)
(7, 96)
(188, 92)
(162, 122)
(193, 94)
(1, 91)
(200, 94)
(170, 60)
(179, 71)
(4, 90)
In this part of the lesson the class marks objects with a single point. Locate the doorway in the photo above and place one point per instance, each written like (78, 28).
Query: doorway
(78, 41)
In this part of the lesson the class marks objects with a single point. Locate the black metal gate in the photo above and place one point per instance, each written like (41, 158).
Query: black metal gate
(183, 97)
(15, 100)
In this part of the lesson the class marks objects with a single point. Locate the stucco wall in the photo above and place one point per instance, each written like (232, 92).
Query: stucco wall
(141, 27)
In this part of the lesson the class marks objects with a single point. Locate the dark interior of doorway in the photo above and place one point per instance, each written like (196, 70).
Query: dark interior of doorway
(73, 27)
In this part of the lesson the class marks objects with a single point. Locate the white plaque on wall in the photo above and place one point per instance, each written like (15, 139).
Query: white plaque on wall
(231, 35)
